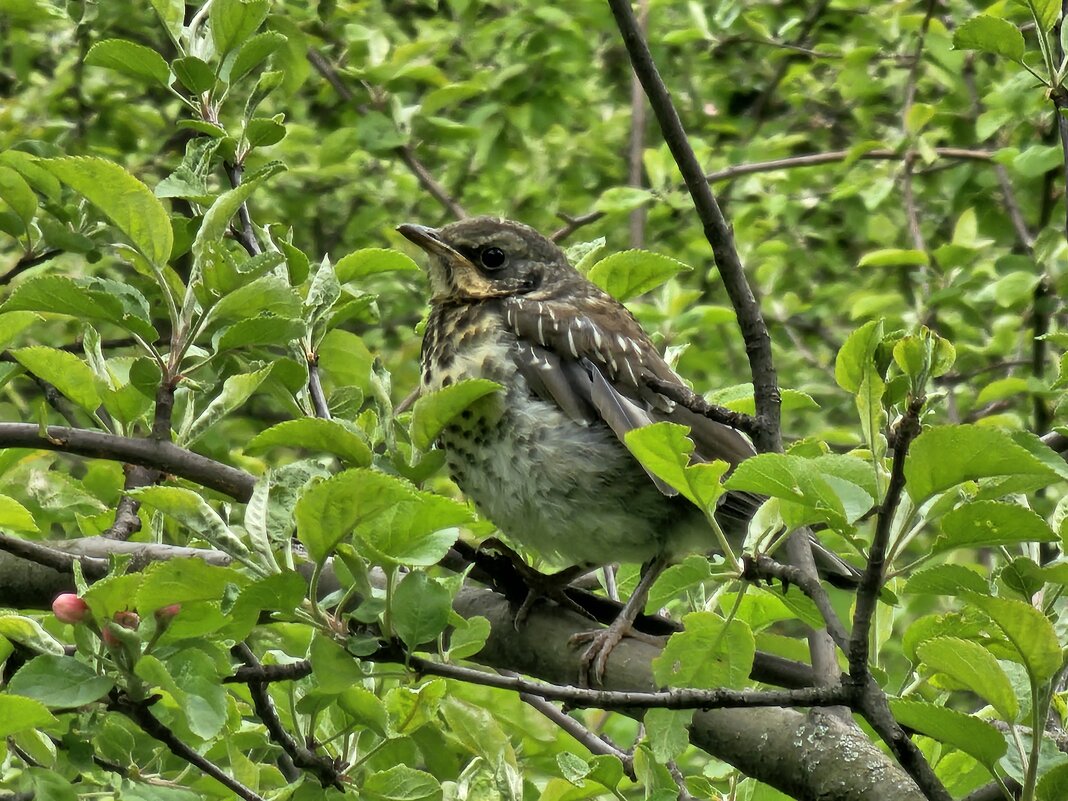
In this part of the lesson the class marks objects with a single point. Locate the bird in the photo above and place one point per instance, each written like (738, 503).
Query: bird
(544, 459)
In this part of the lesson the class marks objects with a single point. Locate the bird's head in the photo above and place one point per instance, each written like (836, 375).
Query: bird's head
(486, 257)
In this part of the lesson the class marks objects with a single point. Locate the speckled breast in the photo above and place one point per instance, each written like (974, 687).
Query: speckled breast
(569, 491)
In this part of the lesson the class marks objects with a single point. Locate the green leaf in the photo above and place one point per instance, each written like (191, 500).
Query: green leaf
(177, 581)
(421, 609)
(334, 668)
(19, 197)
(412, 708)
(893, 257)
(1037, 160)
(944, 456)
(990, 523)
(944, 580)
(634, 272)
(65, 371)
(401, 783)
(18, 714)
(234, 21)
(218, 217)
(171, 14)
(14, 323)
(266, 297)
(369, 261)
(1029, 631)
(127, 202)
(1053, 784)
(253, 52)
(667, 732)
(1046, 12)
(28, 632)
(855, 358)
(990, 35)
(967, 733)
(15, 516)
(416, 533)
(194, 74)
(664, 449)
(265, 131)
(131, 59)
(192, 511)
(709, 652)
(331, 436)
(265, 329)
(112, 594)
(622, 199)
(235, 391)
(467, 636)
(791, 478)
(435, 410)
(328, 511)
(975, 668)
(59, 681)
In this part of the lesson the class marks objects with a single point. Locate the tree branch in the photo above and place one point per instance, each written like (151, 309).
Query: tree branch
(789, 163)
(405, 152)
(152, 453)
(26, 262)
(717, 231)
(324, 769)
(140, 714)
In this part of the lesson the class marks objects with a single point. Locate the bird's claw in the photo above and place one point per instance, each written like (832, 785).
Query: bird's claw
(594, 659)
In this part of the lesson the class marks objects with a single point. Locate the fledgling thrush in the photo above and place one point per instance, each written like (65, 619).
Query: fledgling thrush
(544, 459)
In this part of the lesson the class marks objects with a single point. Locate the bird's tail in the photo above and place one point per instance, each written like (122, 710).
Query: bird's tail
(735, 511)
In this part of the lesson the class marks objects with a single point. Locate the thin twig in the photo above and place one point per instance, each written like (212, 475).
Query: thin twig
(788, 163)
(315, 388)
(763, 567)
(405, 152)
(636, 146)
(686, 397)
(244, 232)
(325, 769)
(871, 581)
(717, 231)
(578, 697)
(594, 743)
(140, 714)
(165, 456)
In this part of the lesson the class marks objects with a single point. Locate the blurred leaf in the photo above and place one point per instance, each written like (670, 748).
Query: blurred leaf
(129, 58)
(990, 35)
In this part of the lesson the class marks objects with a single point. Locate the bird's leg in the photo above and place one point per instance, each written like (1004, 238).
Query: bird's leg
(603, 641)
(539, 585)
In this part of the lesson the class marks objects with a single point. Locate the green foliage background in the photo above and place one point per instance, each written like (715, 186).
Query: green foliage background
(933, 196)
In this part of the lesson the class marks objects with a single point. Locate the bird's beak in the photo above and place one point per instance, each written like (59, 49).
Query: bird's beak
(429, 240)
(454, 275)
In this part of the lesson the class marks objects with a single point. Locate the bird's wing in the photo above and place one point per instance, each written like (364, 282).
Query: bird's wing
(590, 357)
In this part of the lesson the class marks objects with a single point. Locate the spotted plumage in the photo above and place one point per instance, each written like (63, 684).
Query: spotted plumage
(545, 458)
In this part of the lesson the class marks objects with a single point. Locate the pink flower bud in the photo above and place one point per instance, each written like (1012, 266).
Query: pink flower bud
(167, 613)
(69, 608)
(108, 636)
(128, 620)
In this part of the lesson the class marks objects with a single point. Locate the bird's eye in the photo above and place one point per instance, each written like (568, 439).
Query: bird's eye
(492, 258)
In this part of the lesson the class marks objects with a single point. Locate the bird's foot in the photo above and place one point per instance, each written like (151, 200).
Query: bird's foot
(602, 642)
(539, 585)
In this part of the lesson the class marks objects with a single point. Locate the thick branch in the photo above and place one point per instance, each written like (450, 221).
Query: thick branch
(165, 456)
(717, 231)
